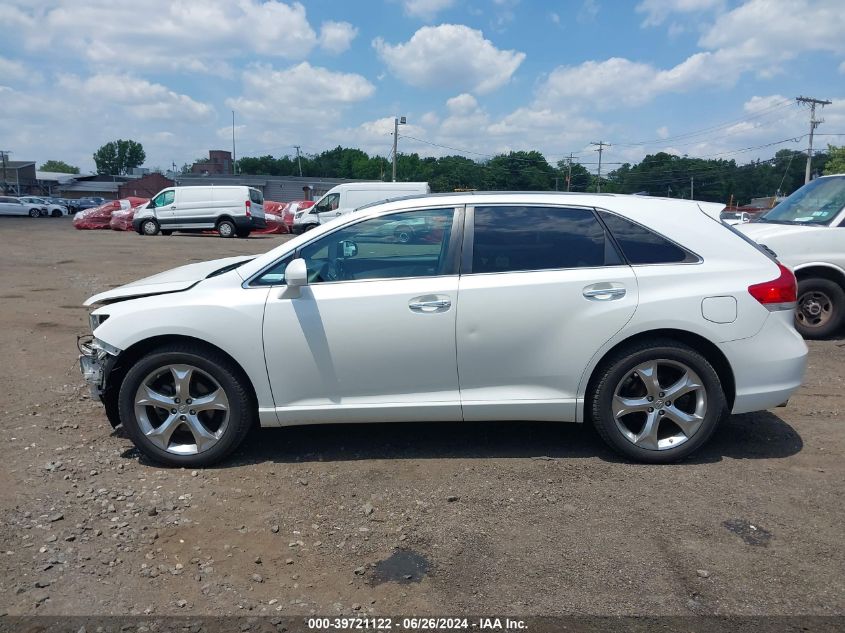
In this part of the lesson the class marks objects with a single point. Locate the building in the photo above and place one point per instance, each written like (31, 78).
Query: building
(276, 188)
(219, 162)
(144, 187)
(18, 178)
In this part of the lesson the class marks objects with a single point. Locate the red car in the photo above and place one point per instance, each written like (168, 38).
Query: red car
(100, 217)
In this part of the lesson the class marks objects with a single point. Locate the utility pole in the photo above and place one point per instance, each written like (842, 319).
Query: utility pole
(234, 157)
(814, 123)
(397, 121)
(691, 187)
(4, 154)
(569, 172)
(601, 145)
(298, 160)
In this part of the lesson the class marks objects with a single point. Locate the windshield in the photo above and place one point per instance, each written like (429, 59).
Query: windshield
(817, 202)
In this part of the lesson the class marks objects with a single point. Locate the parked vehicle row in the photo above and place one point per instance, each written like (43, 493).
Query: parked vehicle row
(46, 206)
(647, 317)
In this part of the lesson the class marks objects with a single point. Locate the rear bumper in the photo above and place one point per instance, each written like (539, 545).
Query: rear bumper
(250, 223)
(769, 366)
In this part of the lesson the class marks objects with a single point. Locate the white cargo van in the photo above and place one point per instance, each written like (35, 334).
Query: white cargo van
(353, 195)
(230, 210)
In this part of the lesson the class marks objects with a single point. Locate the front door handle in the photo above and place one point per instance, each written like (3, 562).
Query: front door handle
(429, 304)
(608, 291)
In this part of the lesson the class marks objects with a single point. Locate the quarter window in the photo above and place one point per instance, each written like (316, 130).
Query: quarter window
(538, 238)
(641, 245)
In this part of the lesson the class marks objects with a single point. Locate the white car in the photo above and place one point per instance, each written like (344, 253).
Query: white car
(807, 232)
(735, 217)
(13, 206)
(556, 307)
(48, 209)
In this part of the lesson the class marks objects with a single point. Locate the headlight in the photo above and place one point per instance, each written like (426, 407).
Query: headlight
(96, 320)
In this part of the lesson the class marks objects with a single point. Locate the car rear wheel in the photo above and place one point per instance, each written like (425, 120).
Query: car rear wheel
(56, 213)
(657, 401)
(34, 213)
(186, 408)
(149, 227)
(821, 308)
(226, 228)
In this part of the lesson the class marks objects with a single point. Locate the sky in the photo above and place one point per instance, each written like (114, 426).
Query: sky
(706, 78)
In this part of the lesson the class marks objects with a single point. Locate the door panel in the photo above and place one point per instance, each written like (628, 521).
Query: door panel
(528, 336)
(372, 337)
(544, 289)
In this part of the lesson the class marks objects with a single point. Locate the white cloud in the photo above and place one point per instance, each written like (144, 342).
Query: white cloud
(11, 70)
(192, 36)
(336, 37)
(137, 97)
(842, 68)
(302, 93)
(588, 12)
(450, 56)
(554, 17)
(663, 132)
(426, 9)
(658, 10)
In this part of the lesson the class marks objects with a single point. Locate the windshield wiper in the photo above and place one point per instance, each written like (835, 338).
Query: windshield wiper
(226, 269)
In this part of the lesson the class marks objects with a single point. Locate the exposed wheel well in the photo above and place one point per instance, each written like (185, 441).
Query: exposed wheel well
(823, 272)
(700, 344)
(129, 356)
(222, 218)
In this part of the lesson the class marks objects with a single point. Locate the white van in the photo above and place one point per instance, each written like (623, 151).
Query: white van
(230, 210)
(353, 195)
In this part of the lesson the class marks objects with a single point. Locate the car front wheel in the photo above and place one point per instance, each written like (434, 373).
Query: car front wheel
(149, 227)
(657, 401)
(186, 408)
(34, 213)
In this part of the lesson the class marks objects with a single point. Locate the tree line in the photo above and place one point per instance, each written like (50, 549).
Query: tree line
(660, 174)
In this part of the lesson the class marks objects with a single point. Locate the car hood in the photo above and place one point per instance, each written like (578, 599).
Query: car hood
(174, 280)
(760, 232)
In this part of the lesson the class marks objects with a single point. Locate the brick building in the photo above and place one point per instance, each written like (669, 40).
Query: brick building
(145, 186)
(219, 163)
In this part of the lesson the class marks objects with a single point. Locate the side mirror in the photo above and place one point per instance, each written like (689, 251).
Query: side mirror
(296, 276)
(348, 248)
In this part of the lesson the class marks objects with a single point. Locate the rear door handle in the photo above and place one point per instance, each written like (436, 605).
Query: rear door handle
(429, 304)
(608, 291)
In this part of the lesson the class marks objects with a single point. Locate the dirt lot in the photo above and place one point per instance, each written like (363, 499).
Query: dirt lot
(492, 518)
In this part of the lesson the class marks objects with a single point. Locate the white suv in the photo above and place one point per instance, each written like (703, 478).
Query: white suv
(807, 232)
(648, 317)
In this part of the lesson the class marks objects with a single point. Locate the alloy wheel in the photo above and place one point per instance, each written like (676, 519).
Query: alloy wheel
(659, 405)
(182, 409)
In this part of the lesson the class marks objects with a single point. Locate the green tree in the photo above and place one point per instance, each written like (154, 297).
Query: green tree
(119, 157)
(835, 161)
(59, 166)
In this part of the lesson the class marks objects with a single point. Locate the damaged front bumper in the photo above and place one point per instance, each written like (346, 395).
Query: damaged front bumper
(96, 359)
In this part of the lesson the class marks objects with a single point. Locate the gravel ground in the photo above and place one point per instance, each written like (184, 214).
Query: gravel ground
(383, 519)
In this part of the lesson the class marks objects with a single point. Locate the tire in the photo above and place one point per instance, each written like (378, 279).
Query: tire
(403, 234)
(166, 233)
(243, 233)
(223, 430)
(34, 213)
(56, 213)
(149, 227)
(821, 308)
(308, 227)
(626, 374)
(226, 228)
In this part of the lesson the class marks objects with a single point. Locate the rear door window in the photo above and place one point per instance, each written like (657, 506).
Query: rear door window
(256, 197)
(515, 238)
(643, 246)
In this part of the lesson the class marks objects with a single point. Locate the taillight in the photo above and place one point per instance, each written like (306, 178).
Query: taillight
(777, 294)
(248, 209)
